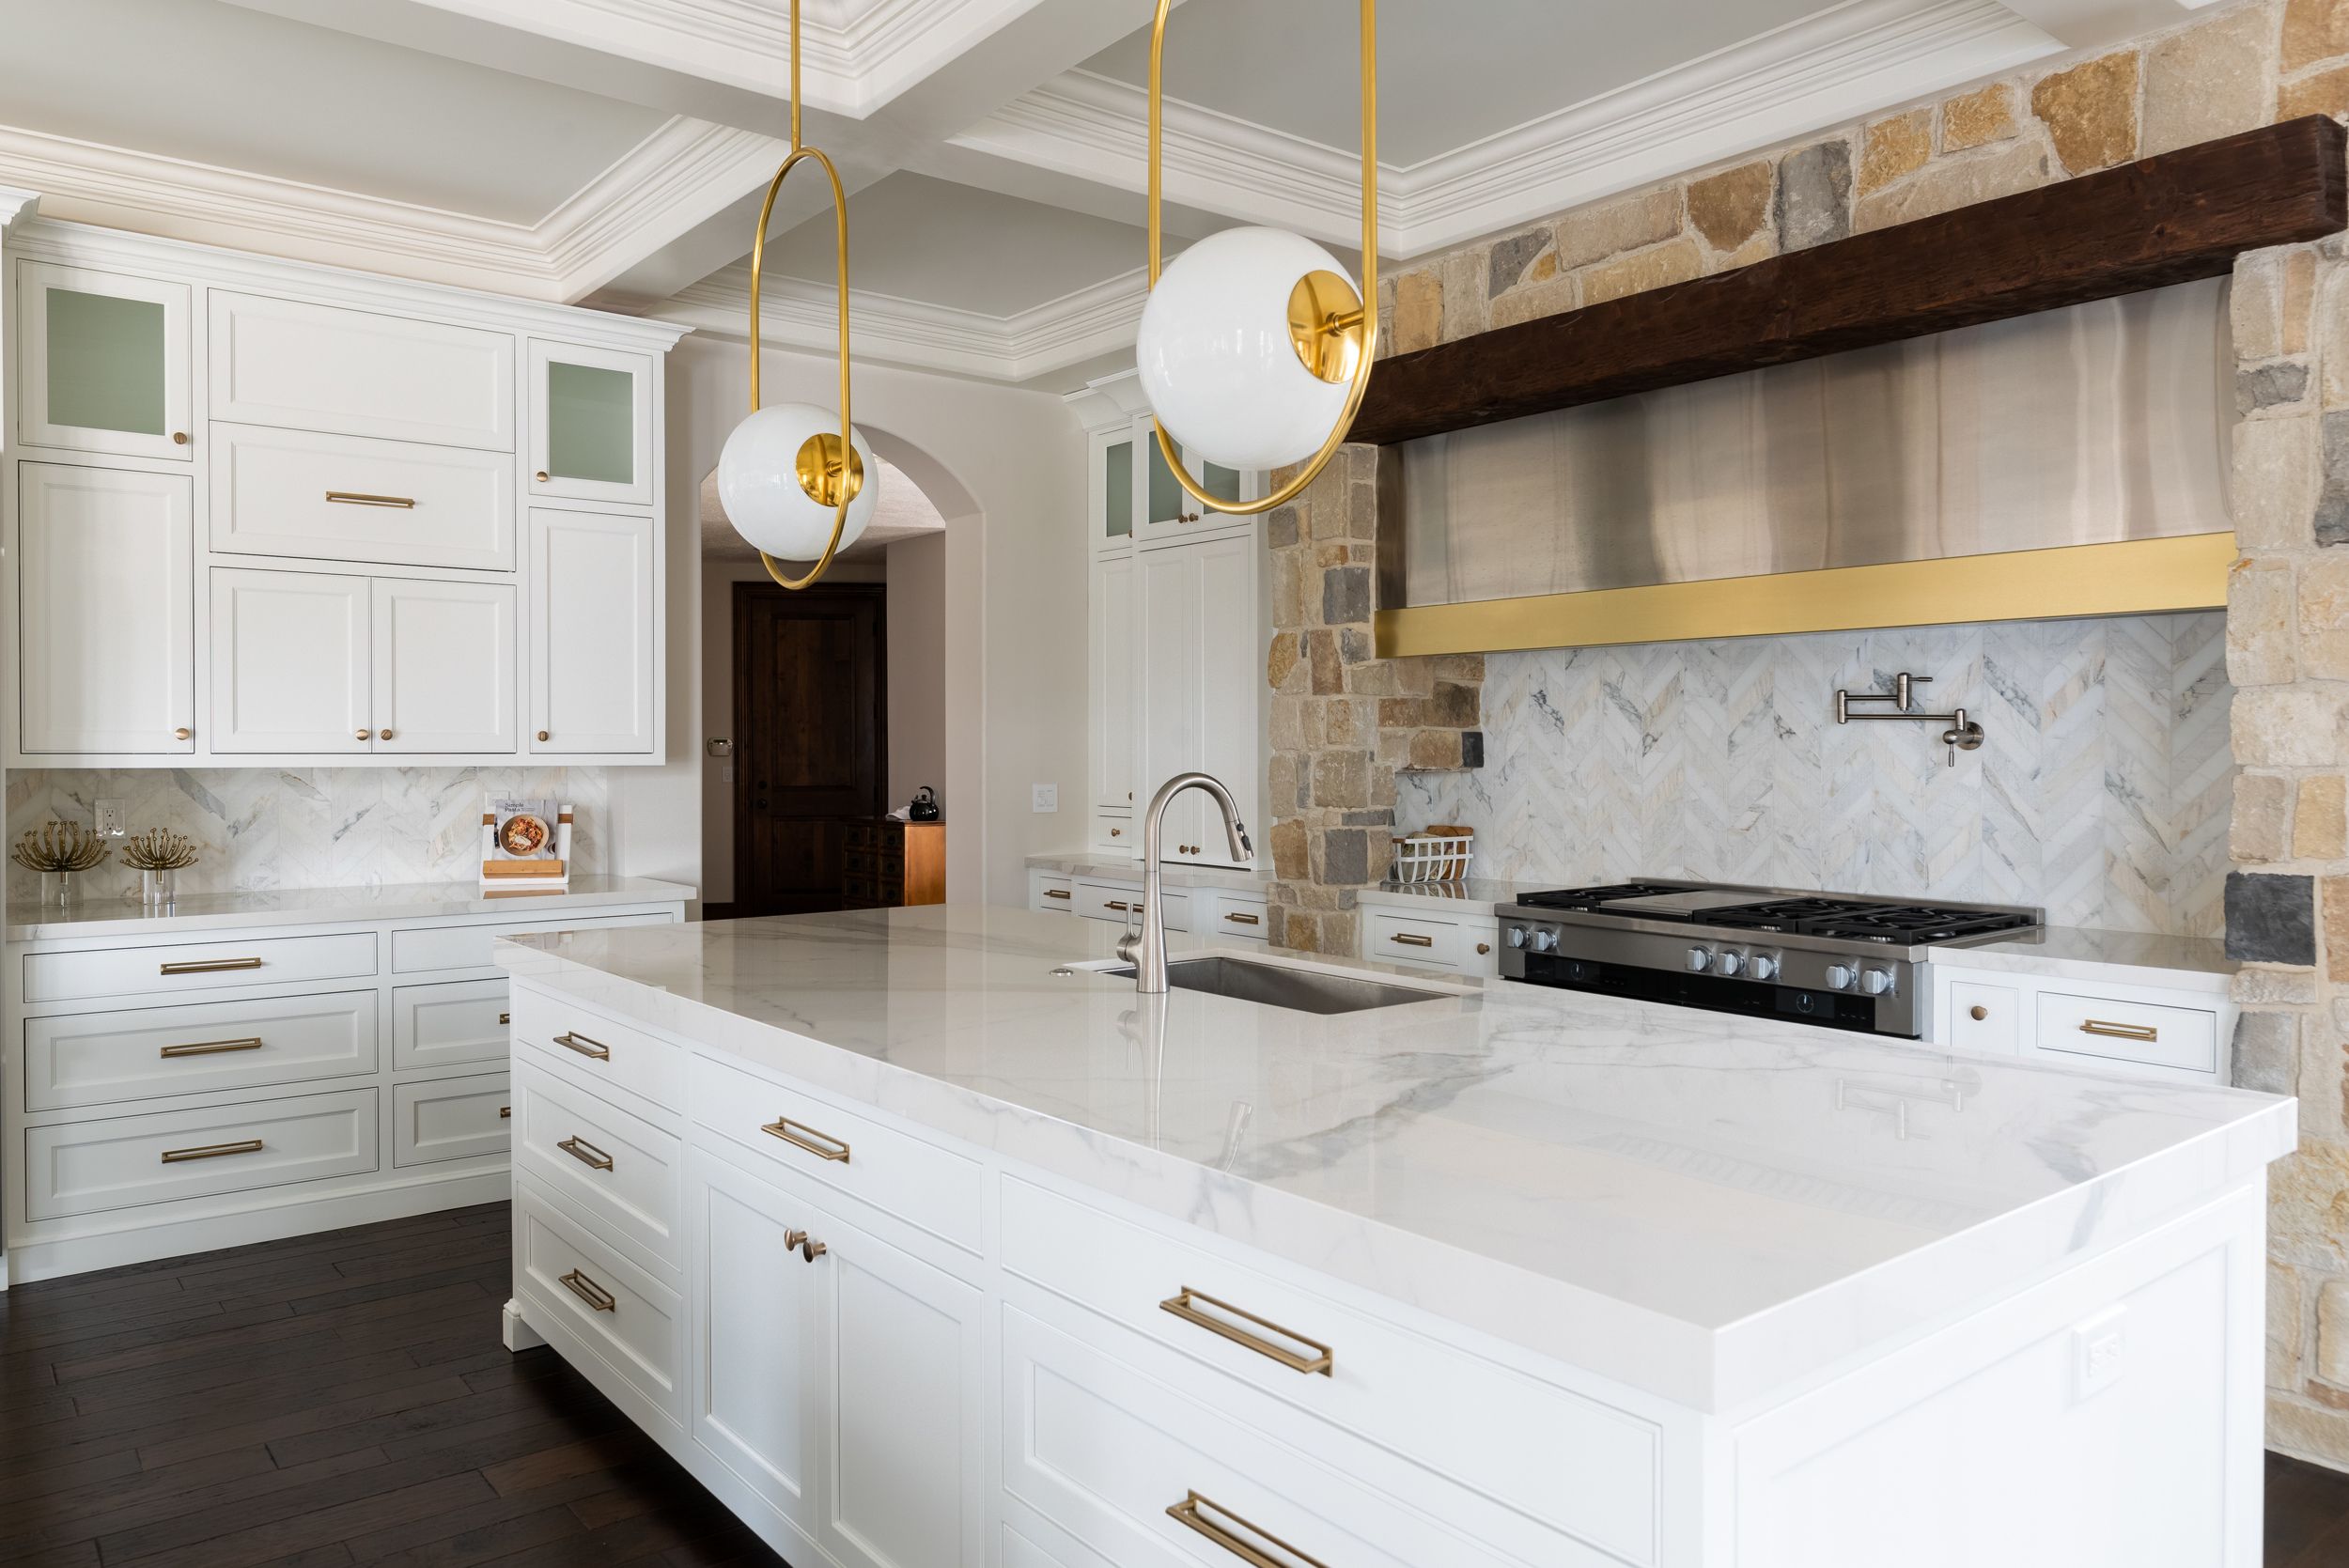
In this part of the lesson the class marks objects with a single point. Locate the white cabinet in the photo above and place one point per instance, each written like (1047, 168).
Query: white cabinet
(355, 372)
(102, 360)
(105, 592)
(291, 656)
(2104, 1018)
(752, 1405)
(1425, 935)
(591, 430)
(1111, 679)
(1201, 666)
(1164, 510)
(593, 671)
(345, 498)
(444, 658)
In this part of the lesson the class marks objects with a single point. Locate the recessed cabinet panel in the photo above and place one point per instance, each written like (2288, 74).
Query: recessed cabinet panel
(443, 666)
(1112, 677)
(360, 373)
(291, 662)
(106, 611)
(752, 1300)
(591, 423)
(455, 1118)
(591, 667)
(346, 498)
(103, 363)
(1202, 659)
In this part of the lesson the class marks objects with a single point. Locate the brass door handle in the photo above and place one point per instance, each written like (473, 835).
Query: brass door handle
(585, 1046)
(585, 1152)
(505, 1018)
(209, 965)
(544, 736)
(353, 498)
(1483, 948)
(1978, 1012)
(809, 1250)
(1057, 892)
(1187, 1513)
(1117, 833)
(2146, 1032)
(1244, 920)
(505, 1113)
(183, 733)
(362, 735)
(213, 1150)
(542, 476)
(178, 438)
(1181, 1306)
(800, 1136)
(382, 734)
(1410, 938)
(212, 1047)
(588, 1291)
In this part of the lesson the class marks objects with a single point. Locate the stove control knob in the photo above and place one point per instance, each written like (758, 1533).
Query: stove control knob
(1727, 963)
(1545, 942)
(1838, 977)
(1516, 936)
(1875, 981)
(1700, 959)
(1764, 966)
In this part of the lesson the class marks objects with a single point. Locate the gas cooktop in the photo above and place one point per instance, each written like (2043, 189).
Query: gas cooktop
(1853, 917)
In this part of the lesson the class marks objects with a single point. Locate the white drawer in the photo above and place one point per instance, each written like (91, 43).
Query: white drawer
(100, 1058)
(1566, 1462)
(613, 1059)
(628, 1319)
(617, 1169)
(1986, 1017)
(453, 1022)
(86, 1166)
(198, 966)
(471, 947)
(924, 1185)
(2157, 1037)
(1393, 936)
(359, 373)
(1238, 917)
(1112, 901)
(347, 498)
(1052, 895)
(1117, 831)
(1106, 1453)
(449, 1118)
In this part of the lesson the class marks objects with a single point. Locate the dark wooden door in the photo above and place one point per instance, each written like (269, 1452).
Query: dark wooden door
(810, 694)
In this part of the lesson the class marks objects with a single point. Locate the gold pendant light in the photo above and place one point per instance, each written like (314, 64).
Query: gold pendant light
(784, 464)
(1230, 327)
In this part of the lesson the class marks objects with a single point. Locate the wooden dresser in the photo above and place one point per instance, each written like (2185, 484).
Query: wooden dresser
(886, 863)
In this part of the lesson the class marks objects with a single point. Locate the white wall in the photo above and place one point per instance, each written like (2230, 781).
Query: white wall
(917, 666)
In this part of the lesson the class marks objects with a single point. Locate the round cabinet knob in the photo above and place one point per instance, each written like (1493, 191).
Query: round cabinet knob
(1483, 948)
(1727, 964)
(544, 736)
(1763, 967)
(542, 476)
(1875, 981)
(178, 438)
(183, 733)
(1978, 1014)
(1700, 959)
(1516, 935)
(362, 734)
(1838, 977)
(382, 734)
(1117, 833)
(1545, 942)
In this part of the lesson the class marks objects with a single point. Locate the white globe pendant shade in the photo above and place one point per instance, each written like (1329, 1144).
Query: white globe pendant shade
(1217, 360)
(758, 483)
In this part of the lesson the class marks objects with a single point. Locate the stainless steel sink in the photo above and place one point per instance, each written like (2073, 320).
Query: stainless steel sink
(1277, 986)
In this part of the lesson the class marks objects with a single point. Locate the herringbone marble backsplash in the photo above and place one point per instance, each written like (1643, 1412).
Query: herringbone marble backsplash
(2101, 792)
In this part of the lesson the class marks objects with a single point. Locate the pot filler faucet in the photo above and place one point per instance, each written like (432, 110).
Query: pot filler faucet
(1145, 949)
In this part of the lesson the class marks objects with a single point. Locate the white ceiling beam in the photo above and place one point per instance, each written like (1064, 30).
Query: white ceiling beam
(2094, 24)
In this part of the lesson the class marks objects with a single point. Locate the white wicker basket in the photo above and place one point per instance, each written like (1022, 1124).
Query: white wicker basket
(1433, 856)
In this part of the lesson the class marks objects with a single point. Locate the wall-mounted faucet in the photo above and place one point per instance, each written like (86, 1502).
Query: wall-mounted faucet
(1962, 733)
(1145, 949)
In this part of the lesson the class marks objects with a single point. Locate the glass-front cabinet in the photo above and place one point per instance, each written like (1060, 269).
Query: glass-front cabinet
(1168, 510)
(103, 363)
(591, 423)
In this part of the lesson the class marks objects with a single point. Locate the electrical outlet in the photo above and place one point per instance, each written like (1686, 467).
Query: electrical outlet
(111, 822)
(1046, 798)
(2100, 1350)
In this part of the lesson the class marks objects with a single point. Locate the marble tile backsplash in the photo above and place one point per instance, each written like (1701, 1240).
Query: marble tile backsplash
(2102, 790)
(264, 827)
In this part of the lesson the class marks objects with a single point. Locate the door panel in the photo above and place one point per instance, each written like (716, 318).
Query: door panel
(443, 666)
(104, 362)
(751, 1332)
(592, 633)
(810, 694)
(290, 657)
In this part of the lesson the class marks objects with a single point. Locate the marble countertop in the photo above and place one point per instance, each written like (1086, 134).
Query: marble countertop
(2078, 952)
(1470, 896)
(207, 912)
(1125, 870)
(1705, 1207)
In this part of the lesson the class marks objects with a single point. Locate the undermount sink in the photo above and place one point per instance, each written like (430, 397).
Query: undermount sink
(1278, 985)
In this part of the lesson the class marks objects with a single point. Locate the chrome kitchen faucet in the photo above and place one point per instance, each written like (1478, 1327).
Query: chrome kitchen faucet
(1145, 949)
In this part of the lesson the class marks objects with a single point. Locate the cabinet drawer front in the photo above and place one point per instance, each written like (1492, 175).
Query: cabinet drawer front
(1238, 918)
(87, 1167)
(1052, 895)
(606, 1056)
(1116, 831)
(626, 1317)
(1109, 901)
(346, 498)
(450, 1118)
(618, 1170)
(198, 966)
(2181, 1037)
(925, 1185)
(360, 373)
(472, 947)
(1390, 938)
(101, 1058)
(1986, 1017)
(1565, 1461)
(453, 1022)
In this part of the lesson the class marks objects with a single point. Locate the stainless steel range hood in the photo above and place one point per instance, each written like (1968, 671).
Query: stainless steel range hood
(2072, 463)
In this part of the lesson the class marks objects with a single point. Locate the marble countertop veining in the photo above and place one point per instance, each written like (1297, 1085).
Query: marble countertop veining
(221, 911)
(1171, 876)
(1705, 1207)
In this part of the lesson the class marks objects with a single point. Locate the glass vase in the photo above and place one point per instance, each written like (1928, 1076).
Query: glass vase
(57, 889)
(155, 888)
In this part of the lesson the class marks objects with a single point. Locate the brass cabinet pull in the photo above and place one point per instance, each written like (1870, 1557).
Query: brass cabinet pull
(1057, 892)
(209, 965)
(2146, 1032)
(809, 1249)
(183, 733)
(382, 734)
(542, 477)
(800, 1136)
(1244, 920)
(1483, 948)
(1978, 1012)
(590, 1292)
(211, 1048)
(212, 1151)
(1187, 1513)
(585, 1046)
(362, 734)
(353, 498)
(505, 1113)
(544, 736)
(178, 438)
(505, 1018)
(1409, 939)
(1181, 1306)
(1117, 833)
(585, 1152)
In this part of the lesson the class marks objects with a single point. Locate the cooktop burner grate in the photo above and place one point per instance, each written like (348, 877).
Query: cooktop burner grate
(1591, 898)
(1888, 922)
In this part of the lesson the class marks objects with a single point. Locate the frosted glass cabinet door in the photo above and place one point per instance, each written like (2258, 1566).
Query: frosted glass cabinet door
(290, 654)
(591, 629)
(591, 423)
(103, 363)
(443, 666)
(106, 611)
(1110, 484)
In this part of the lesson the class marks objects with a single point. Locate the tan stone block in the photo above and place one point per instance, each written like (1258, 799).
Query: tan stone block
(1675, 261)
(1403, 713)
(2273, 988)
(2325, 92)
(2332, 1333)
(1760, 248)
(1588, 234)
(1978, 119)
(2320, 819)
(2318, 1083)
(1290, 569)
(1282, 659)
(2287, 1330)
(2333, 908)
(2314, 31)
(2275, 483)
(2261, 829)
(2256, 306)
(1731, 208)
(2207, 82)
(2091, 111)
(1952, 183)
(1288, 723)
(1418, 312)
(1456, 666)
(2323, 618)
(1281, 776)
(1892, 148)
(1321, 649)
(1342, 779)
(1464, 299)
(1552, 296)
(2258, 623)
(1435, 749)
(2299, 298)
(1290, 851)
(2285, 727)
(2330, 329)
(2304, 1430)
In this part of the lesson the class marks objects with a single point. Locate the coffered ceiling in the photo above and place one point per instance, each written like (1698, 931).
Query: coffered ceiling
(614, 152)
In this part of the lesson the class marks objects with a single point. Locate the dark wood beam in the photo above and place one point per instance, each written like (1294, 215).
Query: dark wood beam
(2170, 219)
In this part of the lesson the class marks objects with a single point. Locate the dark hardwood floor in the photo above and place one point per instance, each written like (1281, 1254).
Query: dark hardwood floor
(325, 1401)
(343, 1398)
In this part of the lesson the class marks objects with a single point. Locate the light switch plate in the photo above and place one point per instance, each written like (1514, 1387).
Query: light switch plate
(1046, 796)
(2100, 1349)
(111, 821)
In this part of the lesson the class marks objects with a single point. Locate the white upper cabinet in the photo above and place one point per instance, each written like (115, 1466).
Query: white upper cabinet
(290, 654)
(443, 666)
(591, 430)
(1202, 660)
(1111, 681)
(349, 497)
(105, 611)
(360, 373)
(1111, 494)
(103, 363)
(1165, 511)
(591, 659)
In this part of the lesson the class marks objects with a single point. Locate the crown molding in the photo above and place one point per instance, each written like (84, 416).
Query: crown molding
(15, 204)
(683, 173)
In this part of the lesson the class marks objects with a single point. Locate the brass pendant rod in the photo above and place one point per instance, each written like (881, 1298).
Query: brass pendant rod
(1365, 316)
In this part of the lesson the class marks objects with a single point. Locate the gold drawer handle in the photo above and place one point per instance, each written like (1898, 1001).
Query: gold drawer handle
(212, 1151)
(1245, 920)
(209, 965)
(1413, 939)
(505, 1018)
(353, 498)
(1056, 892)
(2146, 1032)
(1189, 1513)
(800, 1136)
(590, 1292)
(505, 1113)
(1180, 1305)
(585, 1046)
(211, 1048)
(585, 1152)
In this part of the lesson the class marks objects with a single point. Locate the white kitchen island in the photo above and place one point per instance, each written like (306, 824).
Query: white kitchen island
(924, 1245)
